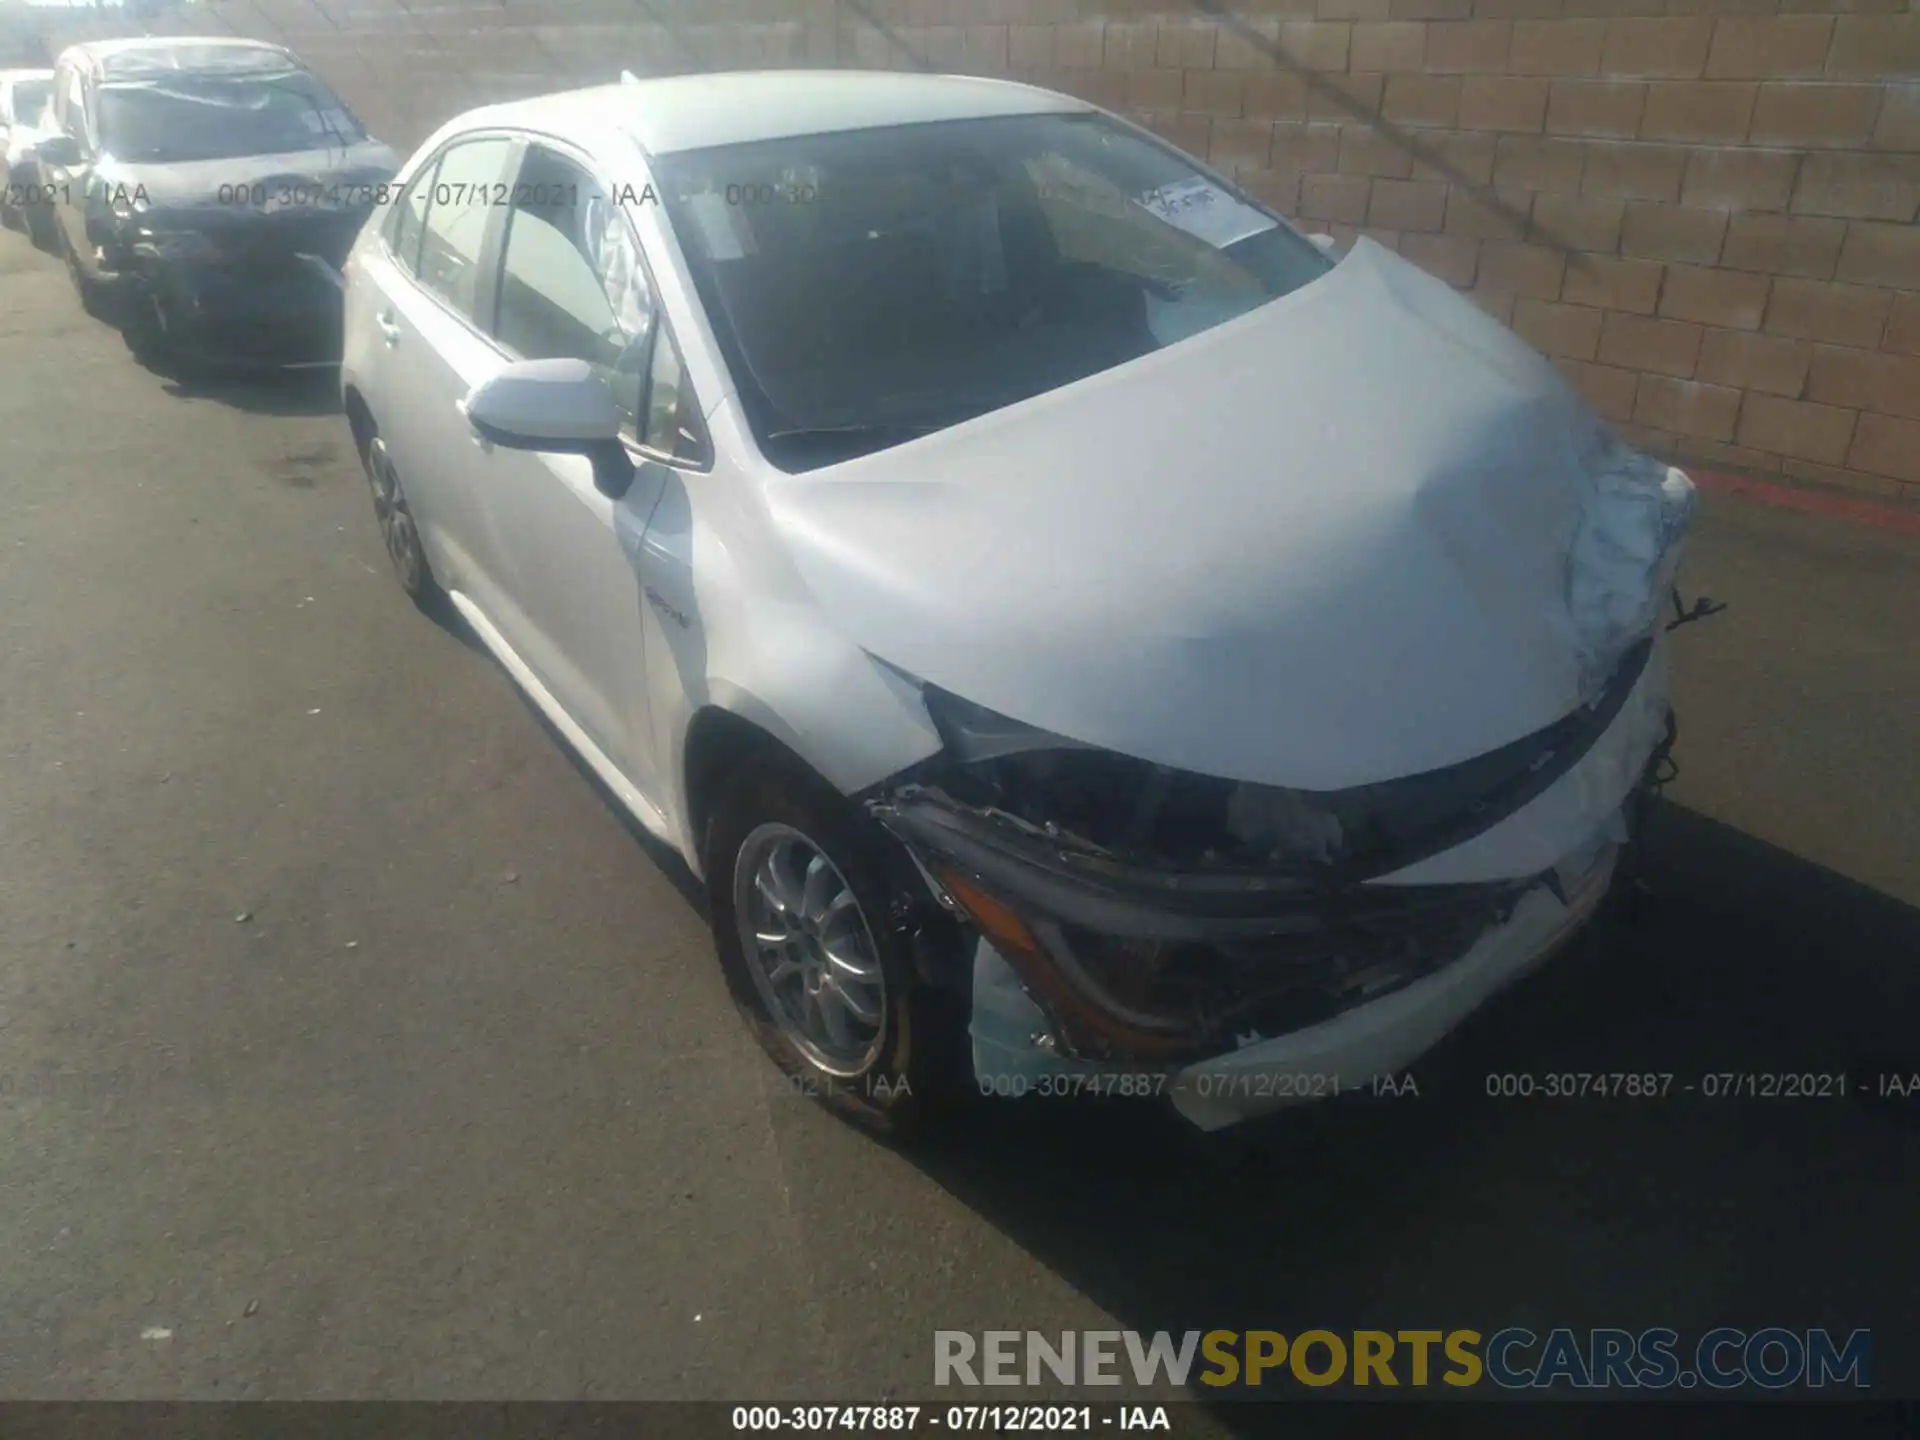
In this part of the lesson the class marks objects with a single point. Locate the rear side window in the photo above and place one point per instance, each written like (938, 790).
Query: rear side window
(409, 220)
(455, 225)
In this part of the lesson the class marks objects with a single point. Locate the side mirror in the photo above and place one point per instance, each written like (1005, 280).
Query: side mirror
(557, 407)
(61, 150)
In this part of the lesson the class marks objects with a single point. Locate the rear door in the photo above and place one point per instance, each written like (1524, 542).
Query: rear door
(430, 282)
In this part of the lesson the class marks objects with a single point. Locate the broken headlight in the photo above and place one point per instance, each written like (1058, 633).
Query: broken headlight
(1115, 806)
(1156, 913)
(1093, 806)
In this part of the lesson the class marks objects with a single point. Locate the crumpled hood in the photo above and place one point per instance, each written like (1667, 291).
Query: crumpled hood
(1321, 545)
(230, 185)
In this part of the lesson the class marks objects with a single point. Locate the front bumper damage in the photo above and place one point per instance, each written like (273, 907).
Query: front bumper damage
(280, 314)
(1246, 992)
(241, 290)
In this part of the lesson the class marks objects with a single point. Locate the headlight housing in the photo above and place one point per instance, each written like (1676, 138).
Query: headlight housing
(1160, 967)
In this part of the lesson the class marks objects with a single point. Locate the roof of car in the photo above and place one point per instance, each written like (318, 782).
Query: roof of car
(694, 112)
(146, 57)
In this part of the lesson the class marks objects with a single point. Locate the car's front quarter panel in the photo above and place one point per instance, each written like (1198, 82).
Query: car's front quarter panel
(731, 626)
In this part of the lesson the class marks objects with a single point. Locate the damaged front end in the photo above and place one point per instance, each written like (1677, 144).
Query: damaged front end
(230, 284)
(1153, 918)
(1159, 917)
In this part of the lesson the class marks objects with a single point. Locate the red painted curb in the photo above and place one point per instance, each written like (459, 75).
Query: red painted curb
(1811, 502)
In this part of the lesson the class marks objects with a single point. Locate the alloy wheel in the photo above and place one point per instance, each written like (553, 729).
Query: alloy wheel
(809, 950)
(397, 530)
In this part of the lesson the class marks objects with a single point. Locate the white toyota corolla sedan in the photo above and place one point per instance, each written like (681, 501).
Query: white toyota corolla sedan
(1081, 630)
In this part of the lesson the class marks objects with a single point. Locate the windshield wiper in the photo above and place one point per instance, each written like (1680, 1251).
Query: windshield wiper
(871, 428)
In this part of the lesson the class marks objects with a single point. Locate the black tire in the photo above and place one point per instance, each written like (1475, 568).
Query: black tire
(39, 228)
(398, 530)
(92, 300)
(913, 1076)
(154, 344)
(146, 335)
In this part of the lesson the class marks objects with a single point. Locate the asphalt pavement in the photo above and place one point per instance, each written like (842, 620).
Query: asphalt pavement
(351, 1045)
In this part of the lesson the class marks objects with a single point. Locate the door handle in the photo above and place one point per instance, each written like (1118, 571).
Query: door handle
(389, 328)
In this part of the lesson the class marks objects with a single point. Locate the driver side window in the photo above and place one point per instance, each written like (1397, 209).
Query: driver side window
(573, 285)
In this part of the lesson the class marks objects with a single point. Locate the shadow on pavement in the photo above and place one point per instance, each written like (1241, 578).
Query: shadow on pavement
(284, 393)
(1458, 1210)
(664, 856)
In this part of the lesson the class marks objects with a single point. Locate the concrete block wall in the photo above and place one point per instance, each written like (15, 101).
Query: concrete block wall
(1703, 210)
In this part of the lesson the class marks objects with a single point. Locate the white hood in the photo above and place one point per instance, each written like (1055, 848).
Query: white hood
(1321, 545)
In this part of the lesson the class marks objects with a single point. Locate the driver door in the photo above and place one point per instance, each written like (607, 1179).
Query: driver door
(574, 284)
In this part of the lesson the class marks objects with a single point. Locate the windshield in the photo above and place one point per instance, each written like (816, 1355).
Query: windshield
(184, 118)
(29, 100)
(872, 285)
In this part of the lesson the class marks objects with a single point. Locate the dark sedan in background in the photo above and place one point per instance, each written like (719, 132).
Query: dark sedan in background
(204, 193)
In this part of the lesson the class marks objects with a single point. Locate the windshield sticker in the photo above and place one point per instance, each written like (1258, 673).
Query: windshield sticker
(718, 224)
(1206, 212)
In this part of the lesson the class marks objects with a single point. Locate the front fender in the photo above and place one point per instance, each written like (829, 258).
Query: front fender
(852, 720)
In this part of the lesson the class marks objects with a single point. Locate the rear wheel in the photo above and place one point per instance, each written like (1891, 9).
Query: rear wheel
(398, 529)
(801, 894)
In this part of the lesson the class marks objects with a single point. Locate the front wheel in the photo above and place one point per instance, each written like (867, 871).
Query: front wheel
(802, 898)
(151, 337)
(92, 299)
(40, 226)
